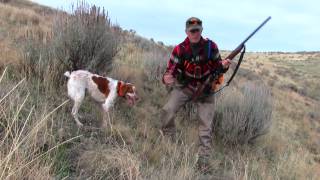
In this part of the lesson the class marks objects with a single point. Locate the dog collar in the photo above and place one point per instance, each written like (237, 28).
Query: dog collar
(119, 87)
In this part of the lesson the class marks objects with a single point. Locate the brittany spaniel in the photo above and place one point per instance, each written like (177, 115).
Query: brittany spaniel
(104, 90)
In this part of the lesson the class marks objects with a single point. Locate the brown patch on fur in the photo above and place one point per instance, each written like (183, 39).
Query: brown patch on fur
(124, 88)
(103, 84)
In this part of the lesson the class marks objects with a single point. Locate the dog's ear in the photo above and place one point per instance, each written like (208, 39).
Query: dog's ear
(123, 89)
(130, 88)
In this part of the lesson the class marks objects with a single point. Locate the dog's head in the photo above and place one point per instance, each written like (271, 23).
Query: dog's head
(128, 91)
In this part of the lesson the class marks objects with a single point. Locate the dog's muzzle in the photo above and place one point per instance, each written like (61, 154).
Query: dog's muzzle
(131, 98)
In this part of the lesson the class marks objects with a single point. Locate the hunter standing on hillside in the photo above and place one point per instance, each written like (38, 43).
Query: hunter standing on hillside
(191, 63)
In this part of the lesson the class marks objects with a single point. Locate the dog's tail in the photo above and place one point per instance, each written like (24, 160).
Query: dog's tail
(67, 73)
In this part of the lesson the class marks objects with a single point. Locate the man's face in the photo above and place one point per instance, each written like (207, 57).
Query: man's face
(194, 35)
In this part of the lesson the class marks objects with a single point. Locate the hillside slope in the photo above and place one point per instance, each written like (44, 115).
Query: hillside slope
(17, 18)
(40, 140)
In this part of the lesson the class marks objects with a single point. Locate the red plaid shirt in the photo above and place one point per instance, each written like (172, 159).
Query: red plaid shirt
(185, 59)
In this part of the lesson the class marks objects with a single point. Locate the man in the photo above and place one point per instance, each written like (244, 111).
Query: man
(190, 64)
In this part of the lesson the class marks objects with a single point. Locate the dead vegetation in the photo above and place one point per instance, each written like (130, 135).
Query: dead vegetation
(40, 140)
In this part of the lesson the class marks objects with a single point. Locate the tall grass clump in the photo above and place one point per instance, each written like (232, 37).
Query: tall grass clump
(27, 141)
(243, 115)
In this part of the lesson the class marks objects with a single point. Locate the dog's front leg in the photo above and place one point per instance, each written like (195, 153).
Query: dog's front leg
(106, 107)
(104, 117)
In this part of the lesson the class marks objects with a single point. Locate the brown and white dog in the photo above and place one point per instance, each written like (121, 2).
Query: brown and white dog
(104, 90)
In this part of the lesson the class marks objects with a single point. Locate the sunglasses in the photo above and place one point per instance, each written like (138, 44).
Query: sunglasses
(194, 30)
(194, 22)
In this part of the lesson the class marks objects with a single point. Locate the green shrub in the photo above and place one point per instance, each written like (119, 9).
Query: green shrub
(243, 115)
(86, 39)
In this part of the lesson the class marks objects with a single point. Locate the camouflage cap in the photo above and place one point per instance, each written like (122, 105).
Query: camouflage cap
(193, 23)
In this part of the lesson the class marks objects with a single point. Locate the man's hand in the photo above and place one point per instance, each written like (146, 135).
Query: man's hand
(226, 63)
(168, 79)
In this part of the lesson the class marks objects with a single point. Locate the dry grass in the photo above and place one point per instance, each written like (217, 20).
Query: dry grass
(111, 163)
(27, 144)
(39, 139)
(19, 16)
(17, 23)
(8, 54)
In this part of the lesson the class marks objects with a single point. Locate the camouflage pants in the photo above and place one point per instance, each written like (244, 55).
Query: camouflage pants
(205, 111)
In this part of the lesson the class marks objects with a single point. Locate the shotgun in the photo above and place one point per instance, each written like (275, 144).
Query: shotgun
(233, 54)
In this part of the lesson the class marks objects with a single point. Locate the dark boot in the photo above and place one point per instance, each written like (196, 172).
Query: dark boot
(203, 164)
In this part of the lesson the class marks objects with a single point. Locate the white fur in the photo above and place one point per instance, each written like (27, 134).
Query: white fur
(80, 81)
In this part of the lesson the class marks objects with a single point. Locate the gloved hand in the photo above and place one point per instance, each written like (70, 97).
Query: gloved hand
(217, 83)
(226, 63)
(169, 81)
